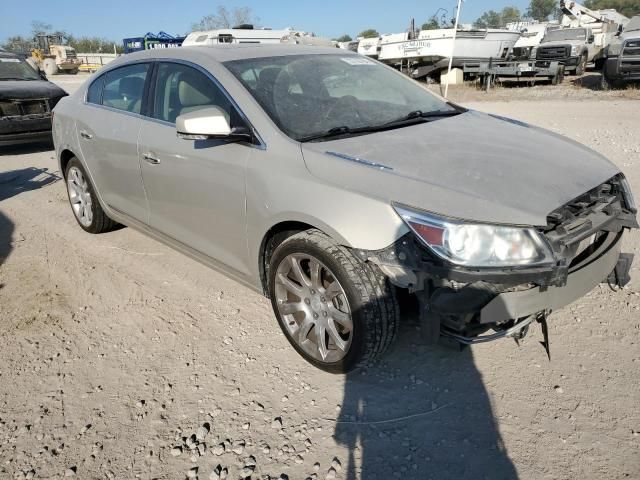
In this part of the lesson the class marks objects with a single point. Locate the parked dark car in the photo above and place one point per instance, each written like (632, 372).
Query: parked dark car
(26, 101)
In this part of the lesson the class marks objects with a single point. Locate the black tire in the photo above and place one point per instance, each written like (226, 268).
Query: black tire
(582, 66)
(100, 223)
(372, 299)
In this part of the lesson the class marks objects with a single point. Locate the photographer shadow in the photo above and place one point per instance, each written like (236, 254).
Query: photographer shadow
(422, 413)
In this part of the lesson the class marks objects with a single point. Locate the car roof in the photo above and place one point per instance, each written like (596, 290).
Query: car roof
(230, 52)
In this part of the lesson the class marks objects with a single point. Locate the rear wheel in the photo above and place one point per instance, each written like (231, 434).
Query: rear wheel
(337, 311)
(84, 202)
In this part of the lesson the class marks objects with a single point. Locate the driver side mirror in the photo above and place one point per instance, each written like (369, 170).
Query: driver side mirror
(592, 38)
(209, 123)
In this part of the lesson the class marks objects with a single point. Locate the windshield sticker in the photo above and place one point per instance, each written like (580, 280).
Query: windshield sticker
(357, 61)
(9, 60)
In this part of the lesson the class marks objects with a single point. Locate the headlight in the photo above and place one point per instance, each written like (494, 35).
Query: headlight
(475, 244)
(628, 195)
(575, 50)
(534, 52)
(614, 49)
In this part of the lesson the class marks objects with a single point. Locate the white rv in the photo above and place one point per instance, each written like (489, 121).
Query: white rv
(248, 34)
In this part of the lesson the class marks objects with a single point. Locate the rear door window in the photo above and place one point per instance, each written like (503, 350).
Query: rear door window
(124, 88)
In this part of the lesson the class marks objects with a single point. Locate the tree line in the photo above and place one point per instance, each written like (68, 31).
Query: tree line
(82, 44)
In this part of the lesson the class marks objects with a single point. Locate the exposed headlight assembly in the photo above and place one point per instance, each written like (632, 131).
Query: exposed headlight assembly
(475, 244)
(575, 50)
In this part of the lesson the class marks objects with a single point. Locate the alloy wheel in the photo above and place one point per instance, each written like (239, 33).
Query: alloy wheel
(313, 307)
(79, 196)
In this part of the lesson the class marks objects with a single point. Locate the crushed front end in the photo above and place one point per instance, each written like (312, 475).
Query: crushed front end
(471, 305)
(23, 120)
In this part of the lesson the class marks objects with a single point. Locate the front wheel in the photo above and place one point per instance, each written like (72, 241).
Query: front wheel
(50, 67)
(337, 311)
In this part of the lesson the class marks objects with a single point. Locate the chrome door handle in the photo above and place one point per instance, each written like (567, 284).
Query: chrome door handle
(85, 134)
(149, 158)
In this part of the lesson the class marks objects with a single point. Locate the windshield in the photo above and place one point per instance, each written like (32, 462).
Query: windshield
(16, 69)
(568, 34)
(307, 95)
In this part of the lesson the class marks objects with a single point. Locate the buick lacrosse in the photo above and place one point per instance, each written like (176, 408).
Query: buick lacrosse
(345, 192)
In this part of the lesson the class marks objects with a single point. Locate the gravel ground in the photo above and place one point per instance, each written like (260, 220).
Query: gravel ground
(123, 359)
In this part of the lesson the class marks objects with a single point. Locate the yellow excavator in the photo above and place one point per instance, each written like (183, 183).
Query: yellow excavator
(52, 57)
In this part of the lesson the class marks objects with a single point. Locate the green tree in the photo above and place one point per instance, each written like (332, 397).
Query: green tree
(628, 8)
(493, 19)
(18, 43)
(432, 24)
(369, 33)
(344, 38)
(490, 19)
(94, 45)
(510, 15)
(223, 18)
(541, 10)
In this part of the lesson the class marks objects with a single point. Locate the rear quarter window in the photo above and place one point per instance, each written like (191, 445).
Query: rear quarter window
(94, 93)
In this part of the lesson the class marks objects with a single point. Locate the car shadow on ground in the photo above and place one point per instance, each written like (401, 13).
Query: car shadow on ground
(6, 240)
(15, 182)
(23, 149)
(422, 413)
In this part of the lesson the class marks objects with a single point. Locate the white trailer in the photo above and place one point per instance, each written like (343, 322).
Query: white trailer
(248, 34)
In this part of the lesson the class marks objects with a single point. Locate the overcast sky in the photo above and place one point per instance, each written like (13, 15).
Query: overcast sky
(117, 19)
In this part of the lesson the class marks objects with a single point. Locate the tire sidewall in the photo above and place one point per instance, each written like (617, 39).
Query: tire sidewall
(354, 297)
(74, 162)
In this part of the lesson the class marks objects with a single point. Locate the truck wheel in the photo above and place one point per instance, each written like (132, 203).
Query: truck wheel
(84, 202)
(337, 311)
(73, 72)
(582, 66)
(49, 66)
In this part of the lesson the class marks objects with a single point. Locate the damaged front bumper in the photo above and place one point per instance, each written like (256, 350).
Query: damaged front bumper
(473, 306)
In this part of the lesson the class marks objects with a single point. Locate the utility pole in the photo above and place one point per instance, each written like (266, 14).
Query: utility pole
(453, 47)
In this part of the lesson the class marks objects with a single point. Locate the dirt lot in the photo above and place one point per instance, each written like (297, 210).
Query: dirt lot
(116, 350)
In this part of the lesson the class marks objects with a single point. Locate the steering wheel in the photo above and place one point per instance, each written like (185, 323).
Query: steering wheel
(344, 110)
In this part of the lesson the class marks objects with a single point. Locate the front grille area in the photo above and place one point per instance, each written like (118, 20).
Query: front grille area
(604, 194)
(554, 53)
(577, 228)
(20, 108)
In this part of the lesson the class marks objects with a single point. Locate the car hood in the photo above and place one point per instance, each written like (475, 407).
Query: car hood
(25, 89)
(472, 166)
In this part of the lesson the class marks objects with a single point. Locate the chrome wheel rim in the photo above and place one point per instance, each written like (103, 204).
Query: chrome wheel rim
(79, 196)
(313, 307)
